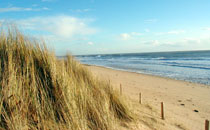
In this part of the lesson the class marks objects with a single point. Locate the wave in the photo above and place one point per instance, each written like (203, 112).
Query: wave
(187, 66)
(99, 57)
(190, 66)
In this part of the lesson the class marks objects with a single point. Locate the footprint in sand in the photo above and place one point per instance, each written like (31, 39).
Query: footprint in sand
(189, 100)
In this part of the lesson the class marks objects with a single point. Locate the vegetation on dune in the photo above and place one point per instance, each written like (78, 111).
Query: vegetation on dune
(39, 91)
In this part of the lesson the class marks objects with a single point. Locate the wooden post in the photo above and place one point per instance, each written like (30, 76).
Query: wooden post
(120, 89)
(162, 111)
(140, 98)
(206, 125)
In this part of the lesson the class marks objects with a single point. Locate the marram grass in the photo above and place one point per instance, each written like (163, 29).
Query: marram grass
(39, 91)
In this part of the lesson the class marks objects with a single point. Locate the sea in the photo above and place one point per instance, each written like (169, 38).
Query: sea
(192, 66)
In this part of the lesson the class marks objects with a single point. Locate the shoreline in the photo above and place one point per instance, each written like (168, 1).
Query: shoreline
(147, 74)
(186, 104)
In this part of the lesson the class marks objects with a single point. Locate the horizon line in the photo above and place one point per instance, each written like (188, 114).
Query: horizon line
(135, 53)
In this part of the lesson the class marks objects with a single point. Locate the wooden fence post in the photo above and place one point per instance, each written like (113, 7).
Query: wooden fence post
(162, 111)
(206, 125)
(140, 98)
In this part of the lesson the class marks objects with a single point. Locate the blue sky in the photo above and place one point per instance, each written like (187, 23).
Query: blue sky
(113, 26)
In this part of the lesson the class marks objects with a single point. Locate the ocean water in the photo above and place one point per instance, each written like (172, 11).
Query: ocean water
(192, 66)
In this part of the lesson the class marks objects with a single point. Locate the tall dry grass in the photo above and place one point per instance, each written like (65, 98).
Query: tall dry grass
(38, 91)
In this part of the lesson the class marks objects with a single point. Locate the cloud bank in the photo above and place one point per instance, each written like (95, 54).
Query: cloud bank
(19, 9)
(62, 26)
(150, 20)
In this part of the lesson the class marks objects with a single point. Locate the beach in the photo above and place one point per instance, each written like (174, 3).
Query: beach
(186, 105)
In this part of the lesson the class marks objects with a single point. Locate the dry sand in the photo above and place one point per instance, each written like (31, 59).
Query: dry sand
(181, 99)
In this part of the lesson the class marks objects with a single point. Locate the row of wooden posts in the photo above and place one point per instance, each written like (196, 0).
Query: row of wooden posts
(162, 109)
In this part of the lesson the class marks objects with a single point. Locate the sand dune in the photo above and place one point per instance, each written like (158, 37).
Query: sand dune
(186, 105)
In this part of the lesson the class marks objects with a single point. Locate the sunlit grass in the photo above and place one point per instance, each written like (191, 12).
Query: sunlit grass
(39, 91)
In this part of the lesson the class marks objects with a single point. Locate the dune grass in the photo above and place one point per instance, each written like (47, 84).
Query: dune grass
(39, 91)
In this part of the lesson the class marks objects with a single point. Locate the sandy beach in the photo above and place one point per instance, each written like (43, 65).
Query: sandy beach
(186, 105)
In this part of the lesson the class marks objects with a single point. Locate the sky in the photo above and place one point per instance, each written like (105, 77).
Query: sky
(112, 26)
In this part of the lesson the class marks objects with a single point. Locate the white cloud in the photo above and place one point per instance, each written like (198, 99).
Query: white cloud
(127, 36)
(35, 5)
(150, 21)
(81, 10)
(155, 43)
(190, 40)
(146, 30)
(136, 34)
(14, 9)
(187, 43)
(18, 9)
(152, 42)
(90, 43)
(206, 28)
(62, 26)
(191, 43)
(45, 8)
(160, 33)
(176, 31)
